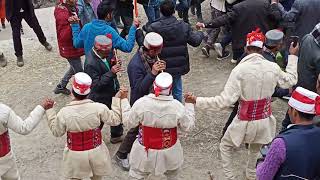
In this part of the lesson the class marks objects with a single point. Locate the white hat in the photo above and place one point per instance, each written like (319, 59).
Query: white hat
(305, 101)
(256, 38)
(163, 84)
(153, 40)
(82, 83)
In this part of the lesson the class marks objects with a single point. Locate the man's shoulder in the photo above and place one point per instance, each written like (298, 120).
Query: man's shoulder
(4, 109)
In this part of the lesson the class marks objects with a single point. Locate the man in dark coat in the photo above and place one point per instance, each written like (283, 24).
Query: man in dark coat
(245, 17)
(309, 66)
(16, 10)
(142, 71)
(176, 37)
(124, 11)
(304, 14)
(103, 71)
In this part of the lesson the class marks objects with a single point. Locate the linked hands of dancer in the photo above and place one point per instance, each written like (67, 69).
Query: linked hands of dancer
(200, 25)
(47, 104)
(190, 98)
(122, 93)
(158, 67)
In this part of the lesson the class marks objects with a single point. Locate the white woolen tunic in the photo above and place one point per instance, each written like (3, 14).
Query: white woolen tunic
(254, 78)
(9, 120)
(158, 112)
(80, 116)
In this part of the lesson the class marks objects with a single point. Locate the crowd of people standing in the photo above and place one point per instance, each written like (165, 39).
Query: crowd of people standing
(275, 46)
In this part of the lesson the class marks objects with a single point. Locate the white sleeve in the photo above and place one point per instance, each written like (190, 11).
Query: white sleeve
(130, 116)
(24, 127)
(290, 77)
(187, 121)
(56, 123)
(112, 117)
(230, 94)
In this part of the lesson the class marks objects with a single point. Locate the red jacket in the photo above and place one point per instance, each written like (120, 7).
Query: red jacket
(64, 33)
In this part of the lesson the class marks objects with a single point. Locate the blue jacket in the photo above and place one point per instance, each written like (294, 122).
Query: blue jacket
(302, 153)
(85, 37)
(141, 81)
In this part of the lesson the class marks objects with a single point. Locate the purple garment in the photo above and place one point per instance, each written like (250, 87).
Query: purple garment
(275, 157)
(94, 5)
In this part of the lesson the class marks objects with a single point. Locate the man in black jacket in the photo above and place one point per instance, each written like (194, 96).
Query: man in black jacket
(245, 17)
(309, 65)
(16, 10)
(176, 37)
(103, 72)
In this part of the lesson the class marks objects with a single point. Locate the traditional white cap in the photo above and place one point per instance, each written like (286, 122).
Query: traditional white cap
(82, 83)
(163, 84)
(153, 40)
(305, 101)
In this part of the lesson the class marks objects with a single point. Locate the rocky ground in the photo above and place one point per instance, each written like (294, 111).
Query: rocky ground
(39, 154)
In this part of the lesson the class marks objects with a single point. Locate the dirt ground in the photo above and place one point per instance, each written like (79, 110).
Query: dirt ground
(39, 154)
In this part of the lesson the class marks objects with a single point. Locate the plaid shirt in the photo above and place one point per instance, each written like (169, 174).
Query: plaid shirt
(316, 34)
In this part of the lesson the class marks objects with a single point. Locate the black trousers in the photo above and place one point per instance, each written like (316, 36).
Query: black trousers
(124, 12)
(127, 143)
(32, 21)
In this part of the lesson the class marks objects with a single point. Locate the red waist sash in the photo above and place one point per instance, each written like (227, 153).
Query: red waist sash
(83, 141)
(254, 110)
(4, 144)
(157, 138)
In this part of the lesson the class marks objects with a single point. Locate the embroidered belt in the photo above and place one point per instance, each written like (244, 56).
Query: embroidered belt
(254, 110)
(157, 138)
(83, 141)
(4, 144)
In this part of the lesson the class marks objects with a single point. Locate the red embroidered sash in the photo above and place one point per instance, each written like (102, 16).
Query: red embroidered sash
(157, 138)
(83, 141)
(4, 144)
(254, 110)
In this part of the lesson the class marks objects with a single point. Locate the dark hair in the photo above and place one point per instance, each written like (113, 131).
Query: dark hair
(78, 96)
(254, 49)
(306, 116)
(167, 8)
(104, 8)
(270, 47)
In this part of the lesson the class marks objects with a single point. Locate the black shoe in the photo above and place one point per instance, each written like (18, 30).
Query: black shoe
(47, 46)
(225, 55)
(20, 62)
(206, 51)
(3, 60)
(60, 90)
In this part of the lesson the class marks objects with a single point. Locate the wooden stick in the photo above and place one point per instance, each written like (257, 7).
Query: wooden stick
(135, 6)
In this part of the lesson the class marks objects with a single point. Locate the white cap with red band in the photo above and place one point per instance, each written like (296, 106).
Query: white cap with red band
(153, 40)
(256, 38)
(82, 83)
(305, 101)
(163, 84)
